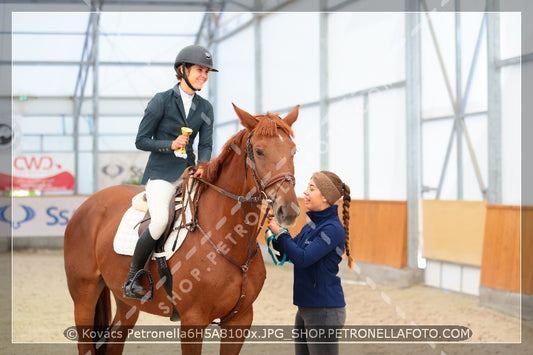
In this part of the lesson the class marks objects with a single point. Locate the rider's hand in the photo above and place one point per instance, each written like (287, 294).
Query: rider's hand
(179, 142)
(198, 173)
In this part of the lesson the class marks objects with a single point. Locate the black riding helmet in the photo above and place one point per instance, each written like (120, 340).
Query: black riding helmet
(193, 54)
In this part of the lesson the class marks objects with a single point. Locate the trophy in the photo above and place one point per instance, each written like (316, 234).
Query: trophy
(182, 153)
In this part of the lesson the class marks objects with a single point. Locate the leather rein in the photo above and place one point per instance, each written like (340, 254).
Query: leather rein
(261, 187)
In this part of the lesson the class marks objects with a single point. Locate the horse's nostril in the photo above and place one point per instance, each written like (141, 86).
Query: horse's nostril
(281, 212)
(288, 212)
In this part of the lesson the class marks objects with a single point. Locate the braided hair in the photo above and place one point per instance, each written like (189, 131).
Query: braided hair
(346, 200)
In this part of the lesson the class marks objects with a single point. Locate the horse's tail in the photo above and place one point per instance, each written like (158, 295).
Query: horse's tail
(102, 319)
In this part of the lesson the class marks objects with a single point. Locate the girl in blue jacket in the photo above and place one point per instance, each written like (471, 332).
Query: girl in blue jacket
(316, 253)
(160, 133)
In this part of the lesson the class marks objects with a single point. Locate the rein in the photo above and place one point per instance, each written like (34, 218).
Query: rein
(261, 186)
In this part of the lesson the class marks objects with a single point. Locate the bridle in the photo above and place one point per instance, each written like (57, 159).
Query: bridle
(280, 179)
(261, 186)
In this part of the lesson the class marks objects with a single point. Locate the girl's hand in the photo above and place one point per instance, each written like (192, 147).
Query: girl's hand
(274, 227)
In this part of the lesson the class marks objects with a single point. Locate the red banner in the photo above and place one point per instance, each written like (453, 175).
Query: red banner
(60, 182)
(41, 173)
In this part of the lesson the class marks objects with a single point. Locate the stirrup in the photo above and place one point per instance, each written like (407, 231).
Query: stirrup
(128, 292)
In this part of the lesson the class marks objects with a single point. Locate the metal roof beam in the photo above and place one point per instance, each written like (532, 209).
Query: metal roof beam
(77, 63)
(121, 3)
(70, 33)
(263, 13)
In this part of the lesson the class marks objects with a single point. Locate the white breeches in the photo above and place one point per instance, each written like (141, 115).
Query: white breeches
(159, 193)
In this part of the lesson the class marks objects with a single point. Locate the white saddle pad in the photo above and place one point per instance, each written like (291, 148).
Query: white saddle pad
(128, 230)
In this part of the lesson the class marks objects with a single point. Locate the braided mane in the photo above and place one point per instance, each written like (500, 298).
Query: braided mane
(267, 125)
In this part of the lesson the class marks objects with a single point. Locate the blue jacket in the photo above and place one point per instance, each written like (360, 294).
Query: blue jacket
(316, 253)
(161, 124)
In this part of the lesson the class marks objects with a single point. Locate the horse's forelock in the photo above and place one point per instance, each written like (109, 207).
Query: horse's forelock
(268, 125)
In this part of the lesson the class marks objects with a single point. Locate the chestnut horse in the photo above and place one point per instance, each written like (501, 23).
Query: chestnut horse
(217, 272)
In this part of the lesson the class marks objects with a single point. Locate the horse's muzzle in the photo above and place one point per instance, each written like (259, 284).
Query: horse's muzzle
(286, 214)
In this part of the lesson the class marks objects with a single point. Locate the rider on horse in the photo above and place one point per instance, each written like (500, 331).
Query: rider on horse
(160, 133)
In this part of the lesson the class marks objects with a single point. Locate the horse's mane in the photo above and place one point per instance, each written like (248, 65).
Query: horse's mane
(267, 125)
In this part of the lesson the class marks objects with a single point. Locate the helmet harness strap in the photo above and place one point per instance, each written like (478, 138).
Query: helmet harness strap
(181, 71)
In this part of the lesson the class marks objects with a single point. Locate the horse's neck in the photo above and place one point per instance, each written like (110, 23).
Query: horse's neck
(236, 178)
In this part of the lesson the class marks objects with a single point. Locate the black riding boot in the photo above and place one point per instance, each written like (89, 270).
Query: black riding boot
(145, 244)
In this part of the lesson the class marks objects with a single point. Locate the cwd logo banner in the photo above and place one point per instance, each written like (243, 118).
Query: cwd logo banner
(40, 172)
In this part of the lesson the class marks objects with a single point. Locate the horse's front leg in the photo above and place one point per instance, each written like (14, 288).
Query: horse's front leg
(191, 337)
(192, 330)
(235, 332)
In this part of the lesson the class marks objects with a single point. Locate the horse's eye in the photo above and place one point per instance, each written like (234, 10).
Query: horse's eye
(259, 152)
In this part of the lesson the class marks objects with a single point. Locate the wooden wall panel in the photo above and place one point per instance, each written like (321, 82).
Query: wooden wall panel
(527, 250)
(500, 265)
(378, 231)
(453, 230)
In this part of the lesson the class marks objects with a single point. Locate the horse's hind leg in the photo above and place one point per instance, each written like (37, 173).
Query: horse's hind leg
(86, 295)
(124, 320)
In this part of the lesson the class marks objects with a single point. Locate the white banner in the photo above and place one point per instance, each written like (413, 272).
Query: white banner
(45, 216)
(119, 168)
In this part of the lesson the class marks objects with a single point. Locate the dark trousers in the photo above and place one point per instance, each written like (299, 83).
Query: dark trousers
(315, 330)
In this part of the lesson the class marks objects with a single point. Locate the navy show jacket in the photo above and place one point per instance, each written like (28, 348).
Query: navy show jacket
(161, 124)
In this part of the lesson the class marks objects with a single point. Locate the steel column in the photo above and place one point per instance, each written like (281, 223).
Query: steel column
(494, 103)
(258, 62)
(413, 129)
(458, 101)
(79, 95)
(323, 83)
(366, 146)
(95, 19)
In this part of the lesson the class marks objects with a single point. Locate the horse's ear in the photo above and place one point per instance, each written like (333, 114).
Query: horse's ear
(247, 120)
(292, 116)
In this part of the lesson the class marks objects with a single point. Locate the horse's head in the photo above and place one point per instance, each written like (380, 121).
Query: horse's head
(270, 152)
